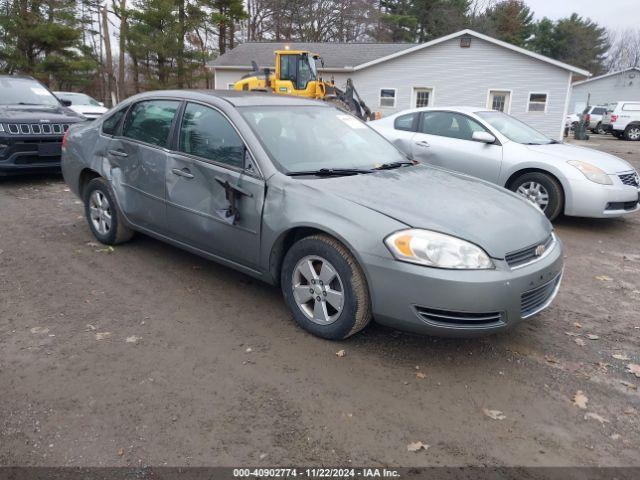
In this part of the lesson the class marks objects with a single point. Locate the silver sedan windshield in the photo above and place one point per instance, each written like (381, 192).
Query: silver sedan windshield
(514, 129)
(310, 138)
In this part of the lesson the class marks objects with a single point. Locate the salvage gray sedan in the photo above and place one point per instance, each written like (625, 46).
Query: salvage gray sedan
(297, 193)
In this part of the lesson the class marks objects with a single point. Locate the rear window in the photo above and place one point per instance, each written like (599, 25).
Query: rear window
(110, 125)
(404, 122)
(150, 121)
(599, 111)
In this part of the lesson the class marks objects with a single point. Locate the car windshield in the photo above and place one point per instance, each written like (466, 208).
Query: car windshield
(78, 99)
(514, 129)
(25, 91)
(301, 139)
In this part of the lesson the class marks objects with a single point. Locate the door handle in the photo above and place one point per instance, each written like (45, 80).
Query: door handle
(118, 153)
(185, 172)
(423, 143)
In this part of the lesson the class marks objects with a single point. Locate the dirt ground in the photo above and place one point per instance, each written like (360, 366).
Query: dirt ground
(148, 355)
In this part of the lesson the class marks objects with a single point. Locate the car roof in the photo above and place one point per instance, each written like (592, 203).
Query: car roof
(459, 109)
(235, 97)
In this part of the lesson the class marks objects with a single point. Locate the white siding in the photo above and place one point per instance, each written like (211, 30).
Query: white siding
(460, 77)
(616, 88)
(464, 76)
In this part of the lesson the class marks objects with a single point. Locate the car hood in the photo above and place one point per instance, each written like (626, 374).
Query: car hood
(37, 113)
(425, 197)
(89, 109)
(562, 151)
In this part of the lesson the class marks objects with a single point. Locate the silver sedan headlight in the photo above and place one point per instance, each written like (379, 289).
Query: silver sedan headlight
(434, 249)
(592, 172)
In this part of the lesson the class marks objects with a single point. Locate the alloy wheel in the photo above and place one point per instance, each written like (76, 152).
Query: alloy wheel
(318, 290)
(634, 133)
(535, 193)
(100, 212)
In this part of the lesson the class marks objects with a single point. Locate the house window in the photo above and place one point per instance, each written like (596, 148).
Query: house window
(230, 86)
(499, 100)
(422, 97)
(537, 102)
(388, 97)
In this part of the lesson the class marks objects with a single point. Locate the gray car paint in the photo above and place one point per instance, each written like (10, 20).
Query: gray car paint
(360, 211)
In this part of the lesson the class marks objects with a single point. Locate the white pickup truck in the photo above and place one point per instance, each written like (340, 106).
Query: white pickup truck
(622, 120)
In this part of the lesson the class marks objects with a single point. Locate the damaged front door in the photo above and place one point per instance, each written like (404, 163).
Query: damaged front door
(214, 193)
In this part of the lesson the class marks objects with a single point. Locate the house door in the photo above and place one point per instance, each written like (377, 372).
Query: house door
(421, 97)
(499, 100)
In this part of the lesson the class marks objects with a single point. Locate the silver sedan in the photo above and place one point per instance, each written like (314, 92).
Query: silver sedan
(557, 177)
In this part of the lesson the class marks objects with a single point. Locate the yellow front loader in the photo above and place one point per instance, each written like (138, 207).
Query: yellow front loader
(296, 74)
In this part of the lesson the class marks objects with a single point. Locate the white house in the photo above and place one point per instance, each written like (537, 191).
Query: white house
(612, 87)
(464, 68)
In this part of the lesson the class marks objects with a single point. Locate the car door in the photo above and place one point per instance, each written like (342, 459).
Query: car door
(138, 157)
(445, 139)
(215, 193)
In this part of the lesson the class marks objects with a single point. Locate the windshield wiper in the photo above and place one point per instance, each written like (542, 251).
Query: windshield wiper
(330, 172)
(391, 165)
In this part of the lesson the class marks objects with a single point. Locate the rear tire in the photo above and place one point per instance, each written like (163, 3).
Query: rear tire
(599, 130)
(538, 187)
(325, 288)
(632, 133)
(103, 215)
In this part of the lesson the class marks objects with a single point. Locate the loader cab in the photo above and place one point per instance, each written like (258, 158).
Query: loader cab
(296, 73)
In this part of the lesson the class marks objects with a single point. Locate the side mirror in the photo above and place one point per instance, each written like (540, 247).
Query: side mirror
(483, 137)
(101, 104)
(66, 103)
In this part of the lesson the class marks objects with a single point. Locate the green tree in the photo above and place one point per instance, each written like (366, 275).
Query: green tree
(543, 39)
(508, 20)
(436, 18)
(581, 42)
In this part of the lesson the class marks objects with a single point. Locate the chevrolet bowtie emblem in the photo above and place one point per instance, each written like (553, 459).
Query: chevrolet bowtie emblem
(540, 249)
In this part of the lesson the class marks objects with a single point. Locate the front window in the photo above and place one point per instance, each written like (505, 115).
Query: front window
(515, 129)
(25, 91)
(311, 138)
(78, 99)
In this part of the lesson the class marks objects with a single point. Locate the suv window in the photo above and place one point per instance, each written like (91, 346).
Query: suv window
(150, 121)
(449, 124)
(206, 133)
(631, 107)
(110, 125)
(404, 122)
(598, 111)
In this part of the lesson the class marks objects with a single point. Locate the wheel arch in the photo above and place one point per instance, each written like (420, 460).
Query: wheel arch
(86, 175)
(287, 238)
(556, 177)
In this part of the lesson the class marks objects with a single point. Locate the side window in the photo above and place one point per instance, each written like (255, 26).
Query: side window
(449, 124)
(631, 107)
(110, 125)
(404, 122)
(150, 121)
(288, 67)
(206, 133)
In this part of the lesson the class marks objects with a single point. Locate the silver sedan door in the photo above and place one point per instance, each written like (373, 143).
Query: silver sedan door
(444, 139)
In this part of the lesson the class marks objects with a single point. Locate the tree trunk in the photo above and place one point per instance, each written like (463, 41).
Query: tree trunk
(181, 33)
(109, 59)
(122, 93)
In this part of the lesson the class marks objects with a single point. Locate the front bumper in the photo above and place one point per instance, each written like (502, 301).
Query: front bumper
(588, 199)
(29, 154)
(461, 302)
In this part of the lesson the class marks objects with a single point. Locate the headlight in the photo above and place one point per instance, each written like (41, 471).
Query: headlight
(434, 249)
(592, 172)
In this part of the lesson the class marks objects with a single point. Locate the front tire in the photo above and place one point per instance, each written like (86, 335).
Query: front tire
(102, 213)
(325, 288)
(632, 133)
(541, 189)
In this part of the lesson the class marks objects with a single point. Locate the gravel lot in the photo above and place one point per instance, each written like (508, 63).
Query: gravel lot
(147, 355)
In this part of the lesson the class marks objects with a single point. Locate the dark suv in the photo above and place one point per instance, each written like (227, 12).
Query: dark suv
(32, 124)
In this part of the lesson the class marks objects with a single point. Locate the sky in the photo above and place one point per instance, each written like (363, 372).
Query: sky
(614, 14)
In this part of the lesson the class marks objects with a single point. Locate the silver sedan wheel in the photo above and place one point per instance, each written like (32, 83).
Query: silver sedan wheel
(535, 193)
(318, 290)
(100, 212)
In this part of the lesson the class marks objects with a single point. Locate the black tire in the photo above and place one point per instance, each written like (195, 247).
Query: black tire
(632, 133)
(616, 134)
(550, 184)
(599, 130)
(118, 231)
(356, 311)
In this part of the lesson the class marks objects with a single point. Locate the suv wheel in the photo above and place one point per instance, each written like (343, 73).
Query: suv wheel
(104, 218)
(632, 132)
(325, 288)
(599, 130)
(542, 190)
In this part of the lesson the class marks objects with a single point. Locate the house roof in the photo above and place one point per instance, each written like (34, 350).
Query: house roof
(357, 56)
(336, 56)
(618, 72)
